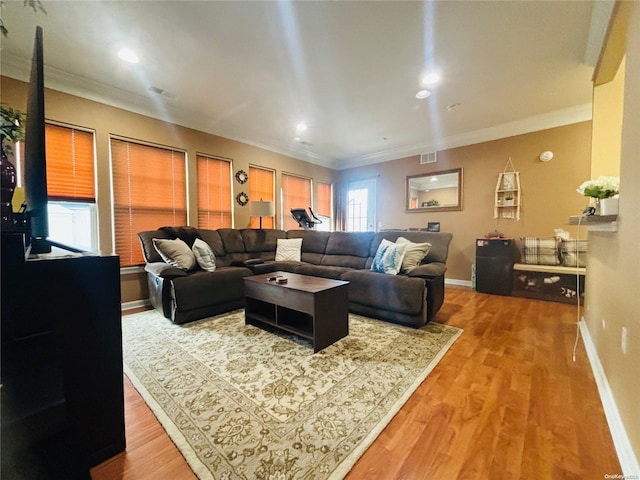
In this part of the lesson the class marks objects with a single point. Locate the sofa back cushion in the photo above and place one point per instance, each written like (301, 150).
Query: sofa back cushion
(261, 241)
(149, 252)
(214, 240)
(439, 241)
(232, 240)
(314, 244)
(348, 249)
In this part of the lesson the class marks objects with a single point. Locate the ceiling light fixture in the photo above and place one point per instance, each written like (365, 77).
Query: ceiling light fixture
(301, 127)
(128, 55)
(297, 139)
(423, 94)
(430, 79)
(453, 107)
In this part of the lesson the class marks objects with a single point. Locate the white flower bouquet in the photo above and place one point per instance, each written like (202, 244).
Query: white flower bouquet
(601, 187)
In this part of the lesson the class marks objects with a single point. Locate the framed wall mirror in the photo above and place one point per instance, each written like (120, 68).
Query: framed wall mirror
(435, 191)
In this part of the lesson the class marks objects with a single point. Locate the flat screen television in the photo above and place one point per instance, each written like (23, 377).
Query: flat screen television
(35, 162)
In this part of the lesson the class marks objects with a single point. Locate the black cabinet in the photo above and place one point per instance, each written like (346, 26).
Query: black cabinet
(62, 394)
(494, 265)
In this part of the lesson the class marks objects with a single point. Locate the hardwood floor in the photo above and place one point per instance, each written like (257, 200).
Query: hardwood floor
(507, 401)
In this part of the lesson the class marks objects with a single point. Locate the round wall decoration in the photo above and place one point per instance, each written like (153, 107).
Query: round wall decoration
(242, 199)
(241, 176)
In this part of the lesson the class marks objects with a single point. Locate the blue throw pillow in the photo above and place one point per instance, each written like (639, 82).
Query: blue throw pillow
(389, 257)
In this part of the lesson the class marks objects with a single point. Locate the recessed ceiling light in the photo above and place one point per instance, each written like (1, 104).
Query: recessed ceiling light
(423, 94)
(430, 79)
(301, 127)
(453, 107)
(297, 139)
(128, 55)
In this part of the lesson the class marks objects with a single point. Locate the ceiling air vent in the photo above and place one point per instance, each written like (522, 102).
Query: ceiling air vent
(431, 157)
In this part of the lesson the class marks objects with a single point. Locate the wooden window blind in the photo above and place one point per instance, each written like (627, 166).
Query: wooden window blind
(214, 192)
(70, 164)
(261, 187)
(323, 199)
(149, 191)
(296, 193)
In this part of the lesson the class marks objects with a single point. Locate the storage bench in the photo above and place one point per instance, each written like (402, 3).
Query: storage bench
(549, 282)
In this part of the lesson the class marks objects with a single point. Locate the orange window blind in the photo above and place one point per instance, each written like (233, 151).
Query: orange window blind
(261, 187)
(70, 164)
(323, 199)
(149, 191)
(296, 193)
(214, 193)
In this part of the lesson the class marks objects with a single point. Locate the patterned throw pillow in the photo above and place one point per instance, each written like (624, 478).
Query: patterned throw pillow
(574, 251)
(540, 251)
(175, 252)
(389, 257)
(288, 249)
(204, 255)
(413, 254)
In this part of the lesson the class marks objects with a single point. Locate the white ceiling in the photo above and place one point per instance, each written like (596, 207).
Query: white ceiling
(252, 70)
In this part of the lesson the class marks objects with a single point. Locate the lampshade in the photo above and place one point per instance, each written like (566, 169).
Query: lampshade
(261, 208)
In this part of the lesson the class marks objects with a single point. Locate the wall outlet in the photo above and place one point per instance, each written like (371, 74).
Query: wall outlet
(623, 340)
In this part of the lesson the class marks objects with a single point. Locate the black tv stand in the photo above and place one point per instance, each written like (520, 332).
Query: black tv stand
(62, 401)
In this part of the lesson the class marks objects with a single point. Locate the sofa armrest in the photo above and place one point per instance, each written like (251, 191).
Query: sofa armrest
(428, 270)
(164, 270)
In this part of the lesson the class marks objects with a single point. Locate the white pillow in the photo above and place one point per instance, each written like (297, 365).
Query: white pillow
(204, 255)
(413, 254)
(288, 249)
(175, 252)
(388, 257)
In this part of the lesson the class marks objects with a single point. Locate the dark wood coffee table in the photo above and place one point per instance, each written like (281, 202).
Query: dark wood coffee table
(312, 307)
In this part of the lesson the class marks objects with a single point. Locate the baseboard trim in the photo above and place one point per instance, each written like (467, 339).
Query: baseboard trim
(626, 456)
(135, 304)
(454, 281)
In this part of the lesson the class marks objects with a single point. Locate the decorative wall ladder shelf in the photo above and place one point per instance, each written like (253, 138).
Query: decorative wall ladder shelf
(507, 195)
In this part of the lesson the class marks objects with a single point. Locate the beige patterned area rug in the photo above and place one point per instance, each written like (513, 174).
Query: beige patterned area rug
(243, 403)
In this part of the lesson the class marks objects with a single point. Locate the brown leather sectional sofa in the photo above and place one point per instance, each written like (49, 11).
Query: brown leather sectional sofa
(410, 299)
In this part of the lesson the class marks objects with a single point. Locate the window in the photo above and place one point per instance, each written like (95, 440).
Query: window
(324, 205)
(296, 193)
(149, 191)
(214, 193)
(71, 187)
(361, 206)
(261, 187)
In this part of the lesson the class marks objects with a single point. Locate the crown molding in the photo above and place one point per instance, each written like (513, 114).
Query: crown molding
(558, 118)
(55, 79)
(19, 68)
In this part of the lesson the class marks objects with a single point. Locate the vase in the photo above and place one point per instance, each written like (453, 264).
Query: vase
(8, 184)
(609, 206)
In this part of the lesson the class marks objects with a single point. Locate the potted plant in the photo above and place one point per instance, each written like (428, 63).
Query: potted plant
(604, 191)
(11, 131)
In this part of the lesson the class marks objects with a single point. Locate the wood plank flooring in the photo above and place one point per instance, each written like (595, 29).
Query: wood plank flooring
(506, 402)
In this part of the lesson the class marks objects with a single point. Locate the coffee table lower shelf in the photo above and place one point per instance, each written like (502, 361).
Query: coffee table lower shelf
(261, 321)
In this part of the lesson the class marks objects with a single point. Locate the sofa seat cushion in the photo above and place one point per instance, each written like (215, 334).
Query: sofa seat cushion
(202, 289)
(397, 293)
(322, 271)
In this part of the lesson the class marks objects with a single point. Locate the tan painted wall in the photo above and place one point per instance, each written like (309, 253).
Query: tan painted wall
(106, 120)
(614, 260)
(549, 195)
(607, 126)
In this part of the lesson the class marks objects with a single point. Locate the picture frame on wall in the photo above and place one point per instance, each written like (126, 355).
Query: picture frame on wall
(509, 181)
(433, 226)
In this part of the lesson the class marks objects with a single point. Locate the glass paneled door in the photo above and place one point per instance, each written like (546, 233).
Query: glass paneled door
(361, 205)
